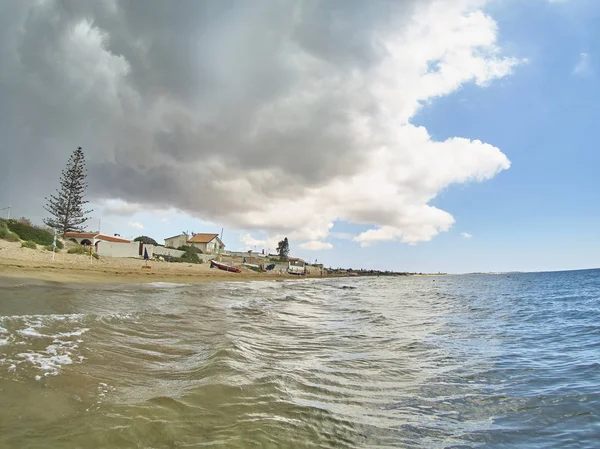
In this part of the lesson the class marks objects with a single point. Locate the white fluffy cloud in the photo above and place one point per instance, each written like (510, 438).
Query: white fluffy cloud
(583, 66)
(136, 225)
(402, 168)
(282, 119)
(315, 245)
(466, 235)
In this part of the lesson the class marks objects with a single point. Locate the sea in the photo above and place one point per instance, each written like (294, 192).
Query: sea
(468, 361)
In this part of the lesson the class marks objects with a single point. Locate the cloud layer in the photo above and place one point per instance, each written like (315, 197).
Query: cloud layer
(282, 117)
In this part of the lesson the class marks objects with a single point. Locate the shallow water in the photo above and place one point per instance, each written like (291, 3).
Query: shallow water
(457, 361)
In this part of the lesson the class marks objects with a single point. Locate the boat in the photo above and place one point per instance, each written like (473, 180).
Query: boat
(222, 266)
(296, 270)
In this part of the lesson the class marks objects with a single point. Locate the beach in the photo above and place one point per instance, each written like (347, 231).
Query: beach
(28, 263)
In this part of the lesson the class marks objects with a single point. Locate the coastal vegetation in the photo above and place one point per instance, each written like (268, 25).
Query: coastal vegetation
(82, 250)
(145, 240)
(28, 244)
(23, 229)
(283, 249)
(191, 249)
(7, 234)
(190, 256)
(66, 208)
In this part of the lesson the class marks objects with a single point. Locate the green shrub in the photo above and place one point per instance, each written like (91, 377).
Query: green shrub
(29, 244)
(49, 248)
(145, 240)
(188, 257)
(190, 249)
(78, 250)
(30, 233)
(6, 234)
(59, 244)
(82, 250)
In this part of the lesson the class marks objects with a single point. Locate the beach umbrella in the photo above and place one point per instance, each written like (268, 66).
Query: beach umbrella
(146, 256)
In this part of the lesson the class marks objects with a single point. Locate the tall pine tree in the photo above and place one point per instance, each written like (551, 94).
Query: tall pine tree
(283, 249)
(66, 207)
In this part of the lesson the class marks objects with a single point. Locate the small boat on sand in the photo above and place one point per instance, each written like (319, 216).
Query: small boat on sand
(222, 266)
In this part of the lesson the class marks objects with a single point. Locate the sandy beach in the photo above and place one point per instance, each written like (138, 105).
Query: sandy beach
(20, 262)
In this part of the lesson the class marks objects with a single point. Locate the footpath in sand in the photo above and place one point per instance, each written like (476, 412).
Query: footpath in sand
(37, 264)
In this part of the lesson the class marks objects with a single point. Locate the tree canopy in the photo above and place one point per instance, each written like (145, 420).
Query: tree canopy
(283, 249)
(66, 208)
(145, 240)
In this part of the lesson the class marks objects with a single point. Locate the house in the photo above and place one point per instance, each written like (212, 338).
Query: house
(177, 241)
(92, 238)
(207, 243)
(111, 246)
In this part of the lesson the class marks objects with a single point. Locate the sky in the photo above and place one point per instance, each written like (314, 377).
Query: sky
(422, 135)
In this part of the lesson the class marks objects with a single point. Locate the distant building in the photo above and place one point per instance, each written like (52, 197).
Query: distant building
(207, 243)
(177, 241)
(93, 238)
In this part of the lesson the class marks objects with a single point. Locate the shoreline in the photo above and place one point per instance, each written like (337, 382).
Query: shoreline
(24, 263)
(19, 269)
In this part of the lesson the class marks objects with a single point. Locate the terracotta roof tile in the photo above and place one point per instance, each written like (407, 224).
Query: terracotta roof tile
(94, 235)
(203, 238)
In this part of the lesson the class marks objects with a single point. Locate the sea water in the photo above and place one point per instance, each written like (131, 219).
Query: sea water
(495, 361)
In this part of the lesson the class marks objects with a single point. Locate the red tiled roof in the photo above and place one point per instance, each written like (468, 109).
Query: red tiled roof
(203, 238)
(94, 235)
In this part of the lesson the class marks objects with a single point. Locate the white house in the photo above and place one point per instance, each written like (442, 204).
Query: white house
(177, 241)
(207, 243)
(111, 246)
(92, 238)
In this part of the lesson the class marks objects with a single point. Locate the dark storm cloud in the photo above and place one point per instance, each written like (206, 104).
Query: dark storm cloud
(197, 76)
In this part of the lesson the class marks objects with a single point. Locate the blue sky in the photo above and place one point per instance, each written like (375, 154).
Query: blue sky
(537, 107)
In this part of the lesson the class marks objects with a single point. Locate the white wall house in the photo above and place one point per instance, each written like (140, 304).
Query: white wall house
(207, 243)
(92, 238)
(177, 241)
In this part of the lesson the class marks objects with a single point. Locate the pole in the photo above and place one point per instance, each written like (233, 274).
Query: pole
(8, 213)
(53, 245)
(98, 226)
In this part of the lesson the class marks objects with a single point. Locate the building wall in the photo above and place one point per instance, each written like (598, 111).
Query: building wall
(178, 241)
(200, 246)
(166, 252)
(211, 247)
(110, 249)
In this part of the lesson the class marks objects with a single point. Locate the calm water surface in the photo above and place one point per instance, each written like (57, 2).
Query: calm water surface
(432, 362)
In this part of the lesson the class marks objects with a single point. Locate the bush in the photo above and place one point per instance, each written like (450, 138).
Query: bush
(189, 249)
(85, 250)
(188, 257)
(6, 234)
(78, 250)
(49, 248)
(29, 244)
(145, 240)
(30, 233)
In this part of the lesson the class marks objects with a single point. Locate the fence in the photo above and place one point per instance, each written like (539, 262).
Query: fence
(166, 252)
